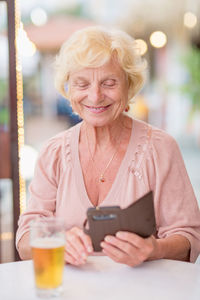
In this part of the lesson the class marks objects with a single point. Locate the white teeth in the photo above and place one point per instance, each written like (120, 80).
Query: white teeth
(97, 108)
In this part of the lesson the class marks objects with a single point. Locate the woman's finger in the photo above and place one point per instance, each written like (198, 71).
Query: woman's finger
(72, 251)
(114, 253)
(120, 256)
(131, 250)
(71, 260)
(86, 241)
(78, 244)
(76, 247)
(132, 238)
(147, 247)
(123, 245)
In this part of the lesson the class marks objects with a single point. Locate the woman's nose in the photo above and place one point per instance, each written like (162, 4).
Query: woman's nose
(94, 93)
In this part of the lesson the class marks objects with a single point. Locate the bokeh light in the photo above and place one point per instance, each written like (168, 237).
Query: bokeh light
(190, 20)
(158, 39)
(38, 16)
(142, 46)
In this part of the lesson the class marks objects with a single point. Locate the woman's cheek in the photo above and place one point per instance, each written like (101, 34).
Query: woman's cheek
(76, 106)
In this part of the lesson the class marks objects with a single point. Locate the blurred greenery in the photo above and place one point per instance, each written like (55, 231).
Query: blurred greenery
(191, 88)
(3, 90)
(4, 114)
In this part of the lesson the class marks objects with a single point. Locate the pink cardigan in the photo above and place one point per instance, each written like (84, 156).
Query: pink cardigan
(152, 162)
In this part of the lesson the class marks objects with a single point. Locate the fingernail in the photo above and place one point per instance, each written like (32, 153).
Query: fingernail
(119, 234)
(108, 239)
(89, 249)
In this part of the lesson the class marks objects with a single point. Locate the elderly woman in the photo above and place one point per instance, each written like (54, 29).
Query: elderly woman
(110, 158)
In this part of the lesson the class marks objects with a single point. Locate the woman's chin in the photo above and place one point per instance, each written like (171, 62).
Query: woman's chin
(97, 122)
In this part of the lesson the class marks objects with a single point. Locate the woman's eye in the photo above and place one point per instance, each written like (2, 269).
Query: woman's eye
(82, 84)
(109, 83)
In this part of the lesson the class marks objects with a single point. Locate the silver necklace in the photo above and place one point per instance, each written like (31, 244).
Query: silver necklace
(101, 177)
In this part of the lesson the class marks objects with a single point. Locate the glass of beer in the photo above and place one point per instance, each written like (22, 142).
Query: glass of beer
(47, 240)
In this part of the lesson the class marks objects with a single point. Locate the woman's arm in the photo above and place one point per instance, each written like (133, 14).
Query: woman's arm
(175, 247)
(24, 248)
(176, 208)
(43, 191)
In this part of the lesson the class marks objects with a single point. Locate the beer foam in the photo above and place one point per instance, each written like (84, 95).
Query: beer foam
(47, 243)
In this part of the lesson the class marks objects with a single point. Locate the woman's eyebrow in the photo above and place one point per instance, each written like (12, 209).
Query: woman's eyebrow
(80, 78)
(110, 75)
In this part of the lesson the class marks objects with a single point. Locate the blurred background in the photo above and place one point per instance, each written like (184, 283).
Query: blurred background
(168, 36)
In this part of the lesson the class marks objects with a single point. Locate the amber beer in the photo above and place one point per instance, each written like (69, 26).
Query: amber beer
(48, 258)
(47, 241)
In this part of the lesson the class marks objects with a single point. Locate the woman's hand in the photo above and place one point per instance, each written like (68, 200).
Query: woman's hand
(78, 246)
(130, 249)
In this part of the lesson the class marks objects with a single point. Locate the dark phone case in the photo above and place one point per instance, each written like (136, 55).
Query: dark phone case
(138, 218)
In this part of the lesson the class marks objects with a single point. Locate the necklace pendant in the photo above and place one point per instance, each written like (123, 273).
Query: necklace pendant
(101, 179)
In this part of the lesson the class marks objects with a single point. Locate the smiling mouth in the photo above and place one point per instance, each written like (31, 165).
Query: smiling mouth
(98, 109)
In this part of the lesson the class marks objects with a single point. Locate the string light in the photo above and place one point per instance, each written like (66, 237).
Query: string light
(6, 236)
(20, 113)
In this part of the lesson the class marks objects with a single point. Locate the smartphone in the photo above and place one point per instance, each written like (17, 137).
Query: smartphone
(138, 218)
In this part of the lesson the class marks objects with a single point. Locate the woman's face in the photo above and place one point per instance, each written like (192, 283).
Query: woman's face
(99, 95)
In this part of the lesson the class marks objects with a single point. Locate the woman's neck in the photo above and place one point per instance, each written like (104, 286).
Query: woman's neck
(101, 138)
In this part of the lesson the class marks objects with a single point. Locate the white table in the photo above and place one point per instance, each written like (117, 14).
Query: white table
(103, 279)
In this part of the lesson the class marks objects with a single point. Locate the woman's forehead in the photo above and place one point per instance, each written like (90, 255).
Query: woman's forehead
(109, 69)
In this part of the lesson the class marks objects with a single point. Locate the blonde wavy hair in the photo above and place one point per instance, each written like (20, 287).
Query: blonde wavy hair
(93, 47)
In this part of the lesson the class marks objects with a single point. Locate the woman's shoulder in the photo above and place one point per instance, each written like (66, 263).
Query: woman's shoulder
(153, 146)
(155, 136)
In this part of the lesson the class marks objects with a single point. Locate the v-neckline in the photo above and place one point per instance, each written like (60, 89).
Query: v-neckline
(112, 193)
